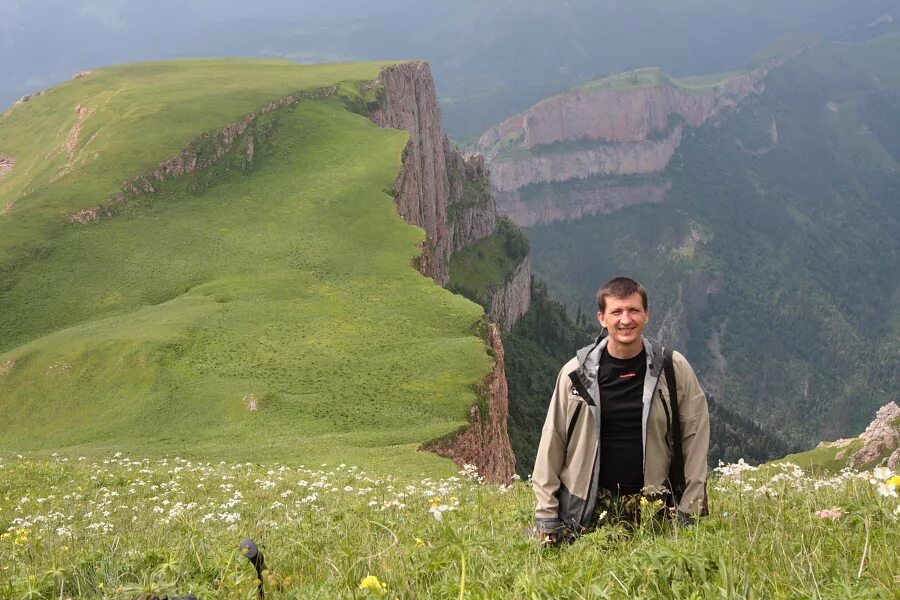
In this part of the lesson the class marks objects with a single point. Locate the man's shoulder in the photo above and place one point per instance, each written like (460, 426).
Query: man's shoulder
(570, 366)
(680, 361)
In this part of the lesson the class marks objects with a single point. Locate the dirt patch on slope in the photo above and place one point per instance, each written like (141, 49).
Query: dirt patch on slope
(6, 367)
(81, 113)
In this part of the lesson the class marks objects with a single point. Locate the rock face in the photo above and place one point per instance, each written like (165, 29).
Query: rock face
(881, 437)
(422, 189)
(438, 189)
(485, 443)
(512, 300)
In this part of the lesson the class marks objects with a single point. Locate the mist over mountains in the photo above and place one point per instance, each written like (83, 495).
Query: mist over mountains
(491, 58)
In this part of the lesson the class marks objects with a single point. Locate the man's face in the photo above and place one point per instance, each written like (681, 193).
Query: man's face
(625, 318)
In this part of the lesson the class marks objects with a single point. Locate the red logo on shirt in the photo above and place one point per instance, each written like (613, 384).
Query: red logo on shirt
(627, 375)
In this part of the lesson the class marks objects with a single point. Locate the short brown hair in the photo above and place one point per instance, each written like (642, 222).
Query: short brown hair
(620, 287)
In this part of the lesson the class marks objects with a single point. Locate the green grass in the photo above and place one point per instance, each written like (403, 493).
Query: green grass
(478, 269)
(826, 459)
(123, 527)
(655, 76)
(288, 279)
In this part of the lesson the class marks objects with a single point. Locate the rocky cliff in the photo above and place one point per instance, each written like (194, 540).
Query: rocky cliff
(485, 442)
(628, 124)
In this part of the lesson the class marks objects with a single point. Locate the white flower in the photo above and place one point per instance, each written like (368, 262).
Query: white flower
(887, 490)
(880, 474)
(438, 510)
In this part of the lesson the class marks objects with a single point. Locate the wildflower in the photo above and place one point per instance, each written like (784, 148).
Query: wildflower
(371, 582)
(834, 513)
(437, 509)
(420, 543)
(887, 490)
(880, 474)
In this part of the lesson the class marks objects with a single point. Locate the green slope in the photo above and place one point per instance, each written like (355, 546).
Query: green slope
(796, 239)
(287, 278)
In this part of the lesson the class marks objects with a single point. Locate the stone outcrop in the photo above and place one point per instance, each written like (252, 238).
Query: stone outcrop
(7, 164)
(510, 301)
(485, 442)
(422, 190)
(880, 439)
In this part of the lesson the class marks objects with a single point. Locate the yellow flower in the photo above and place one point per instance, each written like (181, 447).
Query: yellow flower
(371, 582)
(894, 481)
(644, 501)
(420, 543)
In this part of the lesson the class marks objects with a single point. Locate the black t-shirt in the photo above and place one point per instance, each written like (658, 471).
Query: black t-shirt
(621, 443)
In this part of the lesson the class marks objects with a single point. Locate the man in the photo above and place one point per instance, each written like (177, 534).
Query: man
(586, 464)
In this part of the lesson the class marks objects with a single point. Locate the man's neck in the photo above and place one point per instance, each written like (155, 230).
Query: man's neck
(625, 352)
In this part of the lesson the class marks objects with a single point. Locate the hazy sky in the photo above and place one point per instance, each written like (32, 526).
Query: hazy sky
(490, 57)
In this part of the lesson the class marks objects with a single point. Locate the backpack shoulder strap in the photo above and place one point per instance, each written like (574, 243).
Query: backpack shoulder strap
(676, 467)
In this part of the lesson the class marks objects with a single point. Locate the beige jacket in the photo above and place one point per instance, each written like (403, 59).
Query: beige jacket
(566, 468)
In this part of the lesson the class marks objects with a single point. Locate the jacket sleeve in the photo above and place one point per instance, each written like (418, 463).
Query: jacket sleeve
(694, 414)
(550, 458)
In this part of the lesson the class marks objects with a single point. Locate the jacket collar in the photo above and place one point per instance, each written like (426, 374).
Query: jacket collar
(589, 358)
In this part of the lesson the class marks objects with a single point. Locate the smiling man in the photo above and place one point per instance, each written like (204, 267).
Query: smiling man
(613, 434)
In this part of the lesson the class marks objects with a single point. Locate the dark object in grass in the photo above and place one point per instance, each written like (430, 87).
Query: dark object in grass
(251, 551)
(166, 597)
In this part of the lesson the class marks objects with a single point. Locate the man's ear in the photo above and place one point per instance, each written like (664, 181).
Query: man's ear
(600, 318)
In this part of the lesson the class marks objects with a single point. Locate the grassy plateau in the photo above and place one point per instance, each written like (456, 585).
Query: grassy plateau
(282, 282)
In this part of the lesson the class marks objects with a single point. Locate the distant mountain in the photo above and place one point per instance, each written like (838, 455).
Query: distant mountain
(767, 231)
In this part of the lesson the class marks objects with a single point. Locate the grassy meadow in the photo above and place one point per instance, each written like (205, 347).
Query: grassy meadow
(127, 527)
(284, 283)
